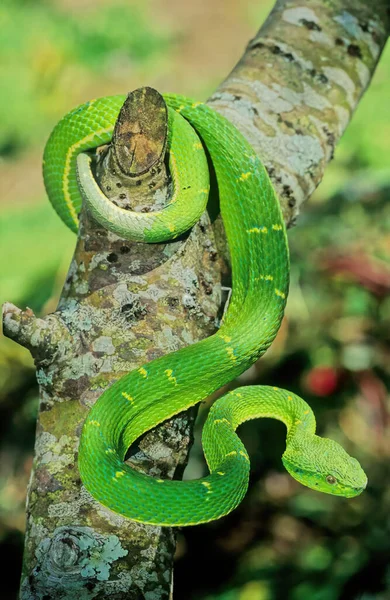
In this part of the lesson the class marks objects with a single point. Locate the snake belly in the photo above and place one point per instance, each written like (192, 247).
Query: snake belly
(153, 393)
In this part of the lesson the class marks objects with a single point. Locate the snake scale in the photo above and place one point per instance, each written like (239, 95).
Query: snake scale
(171, 384)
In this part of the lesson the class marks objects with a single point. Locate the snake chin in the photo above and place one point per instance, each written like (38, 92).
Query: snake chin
(323, 465)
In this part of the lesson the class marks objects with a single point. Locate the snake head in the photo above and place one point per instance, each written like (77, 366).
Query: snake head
(323, 465)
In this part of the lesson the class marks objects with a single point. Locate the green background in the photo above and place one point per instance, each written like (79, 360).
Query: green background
(284, 541)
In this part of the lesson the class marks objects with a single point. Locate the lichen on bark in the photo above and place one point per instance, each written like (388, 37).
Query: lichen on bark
(292, 95)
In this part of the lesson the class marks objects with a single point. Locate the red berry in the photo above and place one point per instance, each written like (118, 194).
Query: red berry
(321, 381)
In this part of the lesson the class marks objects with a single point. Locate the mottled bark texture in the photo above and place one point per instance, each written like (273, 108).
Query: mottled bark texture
(292, 95)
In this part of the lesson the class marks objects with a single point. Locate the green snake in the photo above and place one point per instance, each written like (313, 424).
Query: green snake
(155, 392)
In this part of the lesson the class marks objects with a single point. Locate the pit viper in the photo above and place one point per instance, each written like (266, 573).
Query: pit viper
(164, 387)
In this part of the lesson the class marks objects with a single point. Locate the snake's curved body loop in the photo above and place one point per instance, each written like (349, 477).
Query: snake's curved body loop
(166, 386)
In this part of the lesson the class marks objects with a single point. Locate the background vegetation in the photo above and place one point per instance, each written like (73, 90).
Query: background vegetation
(284, 541)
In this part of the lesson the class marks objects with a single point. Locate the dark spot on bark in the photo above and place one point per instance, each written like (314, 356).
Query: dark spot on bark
(172, 302)
(278, 51)
(288, 193)
(73, 388)
(68, 542)
(272, 174)
(291, 202)
(133, 310)
(124, 249)
(112, 257)
(236, 97)
(127, 308)
(364, 27)
(310, 25)
(213, 256)
(330, 140)
(151, 185)
(118, 184)
(255, 111)
(320, 76)
(138, 182)
(323, 78)
(108, 188)
(354, 50)
(69, 279)
(122, 196)
(208, 288)
(90, 586)
(339, 42)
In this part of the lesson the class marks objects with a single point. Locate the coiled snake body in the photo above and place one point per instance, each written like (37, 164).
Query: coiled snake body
(166, 386)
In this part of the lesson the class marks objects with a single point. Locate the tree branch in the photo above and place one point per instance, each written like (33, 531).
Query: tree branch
(292, 95)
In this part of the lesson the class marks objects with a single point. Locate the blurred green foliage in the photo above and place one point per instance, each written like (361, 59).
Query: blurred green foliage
(284, 541)
(35, 69)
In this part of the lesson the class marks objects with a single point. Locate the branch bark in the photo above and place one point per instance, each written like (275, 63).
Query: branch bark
(292, 95)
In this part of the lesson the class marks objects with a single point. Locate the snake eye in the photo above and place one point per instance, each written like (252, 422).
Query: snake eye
(330, 479)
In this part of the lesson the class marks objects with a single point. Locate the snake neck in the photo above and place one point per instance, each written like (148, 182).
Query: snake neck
(253, 402)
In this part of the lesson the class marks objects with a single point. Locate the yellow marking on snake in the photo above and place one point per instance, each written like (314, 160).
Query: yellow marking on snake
(279, 293)
(221, 421)
(197, 146)
(257, 230)
(128, 397)
(208, 486)
(232, 453)
(221, 473)
(277, 227)
(93, 422)
(230, 352)
(143, 372)
(242, 453)
(225, 338)
(118, 475)
(168, 373)
(244, 176)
